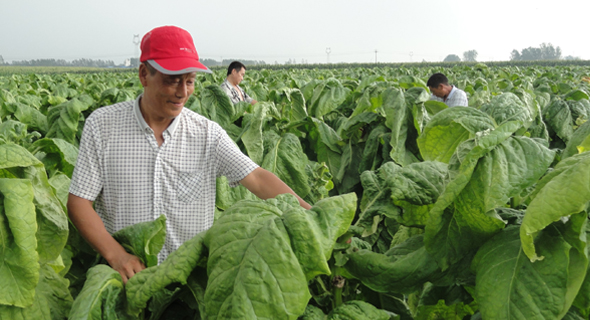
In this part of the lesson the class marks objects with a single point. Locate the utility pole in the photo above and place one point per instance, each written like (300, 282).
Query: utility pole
(375, 55)
(411, 54)
(136, 43)
(328, 50)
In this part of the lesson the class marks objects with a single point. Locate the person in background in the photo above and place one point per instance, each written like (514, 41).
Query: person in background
(143, 158)
(442, 91)
(235, 75)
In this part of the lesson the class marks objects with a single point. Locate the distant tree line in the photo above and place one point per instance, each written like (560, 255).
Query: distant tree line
(543, 52)
(546, 51)
(60, 63)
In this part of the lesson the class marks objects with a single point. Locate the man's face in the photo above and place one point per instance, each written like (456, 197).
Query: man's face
(165, 95)
(438, 91)
(238, 76)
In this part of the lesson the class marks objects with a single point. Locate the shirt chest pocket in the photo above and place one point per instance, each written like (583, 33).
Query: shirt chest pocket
(189, 186)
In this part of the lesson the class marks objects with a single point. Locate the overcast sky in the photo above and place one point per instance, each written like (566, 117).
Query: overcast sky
(302, 30)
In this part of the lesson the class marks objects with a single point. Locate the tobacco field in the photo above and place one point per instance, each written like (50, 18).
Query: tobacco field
(419, 211)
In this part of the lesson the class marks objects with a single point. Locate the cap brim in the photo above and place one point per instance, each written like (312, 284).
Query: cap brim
(178, 66)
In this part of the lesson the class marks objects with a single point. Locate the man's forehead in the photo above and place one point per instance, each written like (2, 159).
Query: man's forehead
(183, 75)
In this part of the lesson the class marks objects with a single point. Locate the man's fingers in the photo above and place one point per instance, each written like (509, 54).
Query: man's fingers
(128, 265)
(123, 277)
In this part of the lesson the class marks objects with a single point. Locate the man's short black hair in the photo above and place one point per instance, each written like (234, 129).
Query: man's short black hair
(237, 65)
(437, 79)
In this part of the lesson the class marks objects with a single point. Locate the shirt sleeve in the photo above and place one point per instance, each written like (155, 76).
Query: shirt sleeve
(233, 164)
(462, 101)
(459, 98)
(87, 179)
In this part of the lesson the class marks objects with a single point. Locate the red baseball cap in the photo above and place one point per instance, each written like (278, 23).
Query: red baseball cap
(171, 50)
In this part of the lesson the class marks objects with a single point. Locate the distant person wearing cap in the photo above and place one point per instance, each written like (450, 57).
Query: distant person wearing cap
(140, 159)
(442, 91)
(235, 74)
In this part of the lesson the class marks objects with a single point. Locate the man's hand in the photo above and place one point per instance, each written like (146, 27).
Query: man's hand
(92, 229)
(126, 264)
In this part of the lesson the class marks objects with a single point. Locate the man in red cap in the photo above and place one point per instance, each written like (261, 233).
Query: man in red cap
(151, 156)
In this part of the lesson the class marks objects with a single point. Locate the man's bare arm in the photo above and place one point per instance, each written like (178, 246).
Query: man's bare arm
(265, 184)
(93, 230)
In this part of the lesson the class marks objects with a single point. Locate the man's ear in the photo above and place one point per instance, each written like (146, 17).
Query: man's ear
(143, 73)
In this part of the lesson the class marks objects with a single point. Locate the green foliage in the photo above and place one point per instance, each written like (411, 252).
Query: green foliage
(462, 212)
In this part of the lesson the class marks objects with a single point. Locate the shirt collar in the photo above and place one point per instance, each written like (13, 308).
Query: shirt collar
(451, 93)
(144, 126)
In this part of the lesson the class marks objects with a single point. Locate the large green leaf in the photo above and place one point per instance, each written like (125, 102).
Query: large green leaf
(464, 217)
(52, 299)
(319, 180)
(563, 192)
(558, 117)
(413, 188)
(252, 136)
(371, 158)
(51, 221)
(61, 184)
(63, 120)
(346, 178)
(326, 136)
(510, 286)
(508, 107)
(327, 96)
(285, 158)
(16, 132)
(215, 105)
(255, 246)
(376, 200)
(397, 115)
(144, 239)
(102, 296)
(28, 115)
(175, 269)
(402, 269)
(449, 128)
(579, 142)
(19, 267)
(58, 155)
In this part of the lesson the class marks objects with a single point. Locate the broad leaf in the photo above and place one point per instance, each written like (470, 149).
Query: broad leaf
(449, 128)
(563, 192)
(19, 267)
(176, 268)
(402, 269)
(255, 246)
(485, 173)
(101, 297)
(510, 286)
(144, 239)
(285, 158)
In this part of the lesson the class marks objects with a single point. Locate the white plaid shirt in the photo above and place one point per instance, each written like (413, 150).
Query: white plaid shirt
(233, 94)
(131, 179)
(456, 97)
